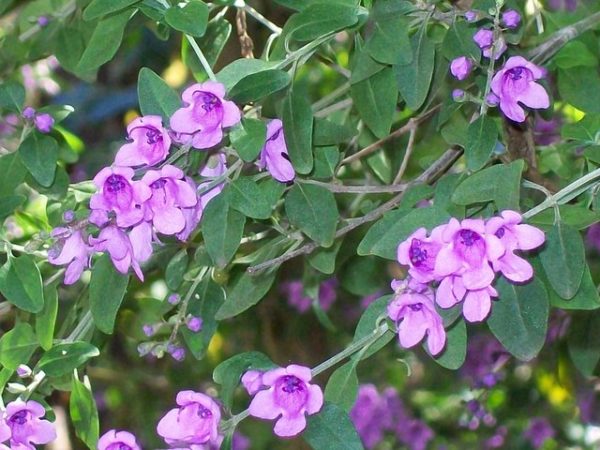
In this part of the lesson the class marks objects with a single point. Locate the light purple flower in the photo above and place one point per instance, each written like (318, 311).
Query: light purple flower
(511, 18)
(484, 38)
(150, 143)
(514, 235)
(415, 435)
(289, 395)
(173, 299)
(498, 48)
(538, 431)
(252, 381)
(28, 113)
(119, 194)
(461, 67)
(240, 442)
(170, 193)
(43, 21)
(176, 352)
(44, 122)
(274, 155)
(194, 324)
(515, 83)
(148, 330)
(24, 371)
(458, 95)
(485, 357)
(477, 302)
(70, 249)
(415, 316)
(294, 290)
(492, 99)
(205, 115)
(471, 16)
(24, 419)
(419, 252)
(118, 440)
(369, 415)
(194, 422)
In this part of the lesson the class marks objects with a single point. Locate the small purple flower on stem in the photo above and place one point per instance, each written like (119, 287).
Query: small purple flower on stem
(173, 299)
(461, 67)
(43, 21)
(492, 99)
(477, 302)
(194, 422)
(43, 122)
(368, 415)
(119, 194)
(24, 371)
(471, 16)
(205, 115)
(458, 95)
(419, 252)
(538, 431)
(511, 18)
(415, 316)
(252, 381)
(150, 143)
(118, 440)
(274, 155)
(28, 113)
(170, 193)
(289, 395)
(514, 235)
(484, 38)
(194, 324)
(26, 425)
(176, 352)
(119, 246)
(148, 330)
(70, 249)
(515, 83)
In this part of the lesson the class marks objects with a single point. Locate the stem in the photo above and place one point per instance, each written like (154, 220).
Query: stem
(262, 19)
(221, 178)
(492, 58)
(341, 189)
(409, 150)
(184, 305)
(178, 154)
(319, 104)
(54, 277)
(201, 57)
(342, 104)
(292, 57)
(81, 329)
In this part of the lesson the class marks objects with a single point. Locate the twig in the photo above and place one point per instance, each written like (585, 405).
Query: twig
(201, 57)
(409, 149)
(319, 104)
(344, 189)
(342, 104)
(246, 43)
(262, 19)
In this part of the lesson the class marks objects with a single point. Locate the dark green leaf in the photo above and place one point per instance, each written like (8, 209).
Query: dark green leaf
(247, 291)
(39, 154)
(584, 341)
(570, 83)
(575, 54)
(12, 164)
(9, 203)
(481, 141)
(323, 259)
(107, 288)
(453, 355)
(100, 8)
(191, 18)
(375, 99)
(297, 128)
(70, 45)
(326, 161)
(342, 386)
(368, 324)
(12, 96)
(212, 43)
(319, 19)
(63, 358)
(331, 429)
(389, 42)
(313, 210)
(84, 414)
(232, 73)
(17, 346)
(519, 318)
(459, 42)
(176, 269)
(45, 320)
(586, 130)
(326, 132)
(248, 198)
(155, 96)
(248, 139)
(563, 258)
(21, 284)
(259, 85)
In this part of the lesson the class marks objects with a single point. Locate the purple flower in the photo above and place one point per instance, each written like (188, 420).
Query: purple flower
(515, 83)
(471, 16)
(176, 352)
(461, 67)
(514, 236)
(24, 371)
(170, 193)
(43, 21)
(414, 314)
(484, 38)
(26, 426)
(70, 249)
(148, 330)
(511, 18)
(497, 440)
(492, 99)
(252, 381)
(173, 299)
(194, 324)
(119, 194)
(44, 122)
(477, 302)
(485, 357)
(288, 396)
(28, 113)
(415, 435)
(294, 290)
(118, 440)
(205, 115)
(274, 155)
(369, 415)
(150, 143)
(240, 442)
(538, 431)
(458, 95)
(419, 252)
(194, 422)
(546, 132)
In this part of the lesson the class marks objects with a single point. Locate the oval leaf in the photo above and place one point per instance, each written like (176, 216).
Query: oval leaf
(155, 96)
(331, 429)
(63, 358)
(39, 154)
(481, 141)
(191, 18)
(297, 129)
(107, 288)
(375, 99)
(17, 346)
(259, 85)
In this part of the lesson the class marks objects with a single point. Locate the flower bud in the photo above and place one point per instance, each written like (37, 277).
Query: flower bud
(511, 18)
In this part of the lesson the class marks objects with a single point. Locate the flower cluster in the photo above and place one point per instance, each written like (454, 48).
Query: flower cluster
(43, 122)
(141, 195)
(294, 291)
(461, 258)
(284, 394)
(21, 424)
(118, 440)
(515, 83)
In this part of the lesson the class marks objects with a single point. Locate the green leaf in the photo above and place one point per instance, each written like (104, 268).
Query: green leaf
(586, 130)
(326, 161)
(205, 303)
(389, 43)
(584, 341)
(63, 358)
(313, 210)
(100, 8)
(575, 215)
(375, 99)
(500, 183)
(459, 42)
(45, 320)
(326, 132)
(367, 324)
(21, 284)
(297, 127)
(12, 96)
(232, 73)
(17, 346)
(363, 66)
(12, 164)
(323, 259)
(342, 386)
(247, 291)
(519, 318)
(319, 19)
(104, 42)
(107, 288)
(570, 83)
(222, 229)
(248, 139)
(454, 354)
(259, 85)
(39, 154)
(563, 258)
(331, 429)
(176, 269)
(229, 372)
(155, 96)
(212, 44)
(383, 237)
(70, 45)
(414, 79)
(575, 54)
(191, 18)
(482, 135)
(84, 414)
(9, 203)
(248, 198)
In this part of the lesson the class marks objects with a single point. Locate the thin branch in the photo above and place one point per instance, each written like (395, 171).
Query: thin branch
(201, 58)
(262, 19)
(409, 149)
(344, 189)
(342, 104)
